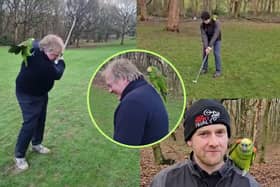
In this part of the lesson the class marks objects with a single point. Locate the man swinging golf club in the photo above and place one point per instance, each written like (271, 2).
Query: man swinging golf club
(211, 39)
(45, 66)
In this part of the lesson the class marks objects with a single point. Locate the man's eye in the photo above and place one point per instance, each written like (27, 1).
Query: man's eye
(220, 133)
(203, 134)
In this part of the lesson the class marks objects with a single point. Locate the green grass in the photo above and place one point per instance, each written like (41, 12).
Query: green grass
(104, 104)
(80, 156)
(250, 57)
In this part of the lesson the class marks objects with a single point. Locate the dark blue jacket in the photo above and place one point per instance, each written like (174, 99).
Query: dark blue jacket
(37, 78)
(141, 117)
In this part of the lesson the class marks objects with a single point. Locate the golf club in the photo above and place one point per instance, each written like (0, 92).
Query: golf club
(204, 60)
(67, 39)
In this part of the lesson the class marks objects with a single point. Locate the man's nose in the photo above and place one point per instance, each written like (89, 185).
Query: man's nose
(213, 140)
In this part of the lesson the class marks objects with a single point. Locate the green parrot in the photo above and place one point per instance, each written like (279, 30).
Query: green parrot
(24, 47)
(215, 17)
(158, 81)
(243, 153)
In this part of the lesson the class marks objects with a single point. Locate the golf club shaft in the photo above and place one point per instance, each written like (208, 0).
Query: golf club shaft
(70, 32)
(202, 64)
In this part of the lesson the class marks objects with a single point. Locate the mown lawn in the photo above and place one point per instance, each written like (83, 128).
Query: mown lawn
(250, 57)
(80, 156)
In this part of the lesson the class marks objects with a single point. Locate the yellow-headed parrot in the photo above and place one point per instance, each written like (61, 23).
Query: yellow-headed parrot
(243, 154)
(158, 81)
(23, 48)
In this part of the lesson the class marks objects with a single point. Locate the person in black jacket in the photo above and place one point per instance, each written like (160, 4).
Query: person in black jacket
(211, 38)
(141, 117)
(33, 83)
(207, 132)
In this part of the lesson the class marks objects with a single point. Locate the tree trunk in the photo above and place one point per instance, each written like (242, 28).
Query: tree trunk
(194, 8)
(258, 121)
(1, 17)
(265, 131)
(236, 8)
(173, 16)
(78, 42)
(207, 5)
(16, 21)
(243, 118)
(255, 7)
(158, 156)
(122, 38)
(143, 10)
(245, 6)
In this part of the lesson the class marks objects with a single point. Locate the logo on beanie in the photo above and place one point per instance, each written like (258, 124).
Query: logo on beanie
(206, 118)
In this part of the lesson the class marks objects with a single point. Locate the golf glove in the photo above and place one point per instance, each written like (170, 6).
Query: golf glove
(59, 58)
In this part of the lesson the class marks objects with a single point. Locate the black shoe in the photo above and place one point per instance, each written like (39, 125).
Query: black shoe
(217, 74)
(204, 71)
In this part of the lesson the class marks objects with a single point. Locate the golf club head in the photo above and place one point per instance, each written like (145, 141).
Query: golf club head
(201, 67)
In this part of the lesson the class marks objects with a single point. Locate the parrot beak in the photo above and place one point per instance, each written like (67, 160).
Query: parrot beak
(244, 147)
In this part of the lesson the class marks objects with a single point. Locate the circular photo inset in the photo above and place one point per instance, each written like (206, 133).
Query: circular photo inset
(136, 98)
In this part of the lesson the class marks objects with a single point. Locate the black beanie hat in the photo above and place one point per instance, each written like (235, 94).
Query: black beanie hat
(205, 112)
(205, 15)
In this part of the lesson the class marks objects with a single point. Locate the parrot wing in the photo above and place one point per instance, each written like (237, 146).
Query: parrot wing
(163, 87)
(233, 147)
(158, 81)
(14, 49)
(24, 47)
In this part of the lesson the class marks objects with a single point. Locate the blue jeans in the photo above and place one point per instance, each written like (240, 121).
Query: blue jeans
(34, 111)
(217, 54)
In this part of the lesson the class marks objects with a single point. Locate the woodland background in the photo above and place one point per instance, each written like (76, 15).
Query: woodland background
(97, 21)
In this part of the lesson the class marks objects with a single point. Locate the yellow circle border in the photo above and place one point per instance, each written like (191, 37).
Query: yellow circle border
(152, 53)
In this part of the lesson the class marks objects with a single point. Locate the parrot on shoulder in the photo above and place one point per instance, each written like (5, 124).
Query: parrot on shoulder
(158, 81)
(243, 153)
(23, 48)
(215, 15)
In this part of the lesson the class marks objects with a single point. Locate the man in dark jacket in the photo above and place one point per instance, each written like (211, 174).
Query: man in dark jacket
(211, 38)
(33, 83)
(207, 132)
(141, 117)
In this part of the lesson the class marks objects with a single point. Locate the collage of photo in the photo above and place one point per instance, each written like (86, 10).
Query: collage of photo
(148, 93)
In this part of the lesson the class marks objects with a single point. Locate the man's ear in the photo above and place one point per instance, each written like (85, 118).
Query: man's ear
(189, 142)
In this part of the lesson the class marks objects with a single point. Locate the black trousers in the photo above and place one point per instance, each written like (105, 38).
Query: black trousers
(34, 111)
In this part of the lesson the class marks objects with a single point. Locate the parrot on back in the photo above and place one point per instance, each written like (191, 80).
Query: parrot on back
(158, 81)
(23, 48)
(243, 153)
(215, 15)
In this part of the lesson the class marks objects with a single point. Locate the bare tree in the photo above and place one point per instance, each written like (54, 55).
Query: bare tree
(126, 16)
(14, 7)
(82, 10)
